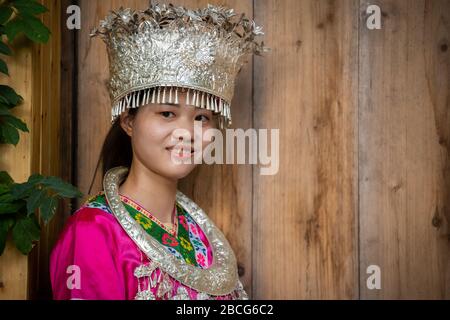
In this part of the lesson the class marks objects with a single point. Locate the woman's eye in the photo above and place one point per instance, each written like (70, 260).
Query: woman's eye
(204, 119)
(167, 114)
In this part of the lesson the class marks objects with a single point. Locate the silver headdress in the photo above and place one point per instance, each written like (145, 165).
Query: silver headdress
(156, 52)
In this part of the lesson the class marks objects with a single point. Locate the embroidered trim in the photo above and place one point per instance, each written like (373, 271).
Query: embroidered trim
(132, 203)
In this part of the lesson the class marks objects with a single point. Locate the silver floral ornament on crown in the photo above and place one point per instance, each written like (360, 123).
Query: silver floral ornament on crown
(164, 48)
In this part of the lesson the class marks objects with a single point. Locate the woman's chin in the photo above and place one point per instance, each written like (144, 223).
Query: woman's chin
(179, 171)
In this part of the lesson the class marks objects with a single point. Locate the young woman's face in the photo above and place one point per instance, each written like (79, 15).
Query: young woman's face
(163, 139)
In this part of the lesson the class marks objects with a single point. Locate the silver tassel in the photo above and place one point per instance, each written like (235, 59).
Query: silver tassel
(187, 96)
(158, 98)
(202, 104)
(149, 95)
(127, 101)
(144, 98)
(193, 98)
(220, 104)
(164, 96)
(170, 95)
(176, 95)
(138, 99)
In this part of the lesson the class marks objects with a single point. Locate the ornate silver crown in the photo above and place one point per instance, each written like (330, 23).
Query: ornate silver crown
(156, 52)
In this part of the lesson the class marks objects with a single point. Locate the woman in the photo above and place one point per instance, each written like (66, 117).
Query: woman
(140, 238)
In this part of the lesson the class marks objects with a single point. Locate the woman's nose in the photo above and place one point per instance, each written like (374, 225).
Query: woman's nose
(184, 132)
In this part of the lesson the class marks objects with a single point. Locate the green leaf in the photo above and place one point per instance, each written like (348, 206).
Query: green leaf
(14, 27)
(35, 178)
(4, 49)
(24, 190)
(29, 7)
(10, 134)
(25, 232)
(3, 67)
(5, 225)
(35, 200)
(61, 187)
(31, 26)
(16, 123)
(5, 14)
(7, 198)
(9, 207)
(9, 97)
(5, 178)
(48, 208)
(4, 188)
(4, 110)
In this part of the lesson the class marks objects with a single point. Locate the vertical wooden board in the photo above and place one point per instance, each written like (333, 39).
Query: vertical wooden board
(47, 147)
(223, 191)
(403, 166)
(305, 222)
(16, 161)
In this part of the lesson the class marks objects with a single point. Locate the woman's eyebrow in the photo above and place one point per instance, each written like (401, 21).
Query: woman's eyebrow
(168, 105)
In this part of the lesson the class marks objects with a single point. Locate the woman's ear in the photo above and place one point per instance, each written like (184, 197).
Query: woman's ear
(126, 122)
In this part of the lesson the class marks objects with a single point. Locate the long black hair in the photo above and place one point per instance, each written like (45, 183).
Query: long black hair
(116, 150)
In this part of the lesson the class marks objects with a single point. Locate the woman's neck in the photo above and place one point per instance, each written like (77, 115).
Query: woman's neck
(155, 193)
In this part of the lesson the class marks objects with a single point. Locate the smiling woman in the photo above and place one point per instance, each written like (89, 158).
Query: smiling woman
(140, 237)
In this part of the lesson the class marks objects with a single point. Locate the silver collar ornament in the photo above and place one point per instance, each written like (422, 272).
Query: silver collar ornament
(221, 278)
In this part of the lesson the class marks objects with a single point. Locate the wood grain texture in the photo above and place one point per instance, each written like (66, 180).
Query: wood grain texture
(305, 217)
(404, 157)
(35, 74)
(48, 146)
(16, 161)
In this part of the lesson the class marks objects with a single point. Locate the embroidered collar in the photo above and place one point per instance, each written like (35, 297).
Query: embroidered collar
(169, 228)
(220, 278)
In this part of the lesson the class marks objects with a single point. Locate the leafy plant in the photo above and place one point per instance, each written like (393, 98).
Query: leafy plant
(19, 201)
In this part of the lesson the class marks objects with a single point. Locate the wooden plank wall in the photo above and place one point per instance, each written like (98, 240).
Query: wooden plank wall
(16, 161)
(304, 217)
(403, 149)
(364, 157)
(35, 75)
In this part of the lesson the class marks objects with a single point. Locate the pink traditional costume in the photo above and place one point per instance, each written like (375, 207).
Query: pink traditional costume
(112, 247)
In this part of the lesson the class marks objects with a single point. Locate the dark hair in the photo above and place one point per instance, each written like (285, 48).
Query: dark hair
(116, 150)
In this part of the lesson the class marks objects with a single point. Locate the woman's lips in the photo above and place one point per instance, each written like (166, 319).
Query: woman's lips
(181, 152)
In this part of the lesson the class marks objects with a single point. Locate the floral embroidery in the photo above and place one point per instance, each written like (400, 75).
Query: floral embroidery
(199, 247)
(174, 252)
(135, 206)
(201, 259)
(189, 261)
(145, 222)
(183, 222)
(185, 244)
(169, 240)
(95, 202)
(194, 230)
